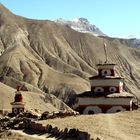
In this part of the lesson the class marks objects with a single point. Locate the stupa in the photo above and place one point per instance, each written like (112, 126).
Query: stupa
(18, 104)
(107, 94)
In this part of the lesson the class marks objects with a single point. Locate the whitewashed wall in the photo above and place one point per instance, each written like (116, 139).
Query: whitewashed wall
(106, 82)
(104, 101)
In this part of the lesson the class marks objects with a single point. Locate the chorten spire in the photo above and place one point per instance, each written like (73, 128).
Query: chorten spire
(106, 58)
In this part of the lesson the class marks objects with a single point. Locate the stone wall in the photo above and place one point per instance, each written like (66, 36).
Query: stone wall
(72, 134)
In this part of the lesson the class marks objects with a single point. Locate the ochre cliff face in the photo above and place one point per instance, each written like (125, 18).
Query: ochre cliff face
(44, 54)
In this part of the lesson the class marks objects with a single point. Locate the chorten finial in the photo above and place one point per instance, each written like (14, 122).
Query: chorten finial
(18, 88)
(106, 59)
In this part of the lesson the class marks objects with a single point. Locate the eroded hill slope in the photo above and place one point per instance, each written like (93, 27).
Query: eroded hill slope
(45, 55)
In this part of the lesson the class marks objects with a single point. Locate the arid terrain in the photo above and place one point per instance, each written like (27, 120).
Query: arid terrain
(118, 126)
(45, 57)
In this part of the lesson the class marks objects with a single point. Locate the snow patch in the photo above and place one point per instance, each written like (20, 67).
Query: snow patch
(81, 25)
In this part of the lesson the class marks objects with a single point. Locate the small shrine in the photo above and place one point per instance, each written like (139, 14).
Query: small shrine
(107, 94)
(18, 104)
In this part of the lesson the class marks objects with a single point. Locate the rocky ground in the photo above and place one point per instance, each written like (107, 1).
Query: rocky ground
(21, 127)
(116, 126)
(20, 135)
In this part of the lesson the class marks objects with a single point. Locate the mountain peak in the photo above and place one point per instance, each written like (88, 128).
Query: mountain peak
(81, 19)
(81, 25)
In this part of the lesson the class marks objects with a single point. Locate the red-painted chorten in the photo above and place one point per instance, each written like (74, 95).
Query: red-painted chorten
(107, 94)
(18, 104)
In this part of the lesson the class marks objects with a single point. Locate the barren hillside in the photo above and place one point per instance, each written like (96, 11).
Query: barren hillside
(41, 54)
(35, 101)
(7, 96)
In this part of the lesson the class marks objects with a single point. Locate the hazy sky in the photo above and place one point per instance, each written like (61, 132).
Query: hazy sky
(117, 18)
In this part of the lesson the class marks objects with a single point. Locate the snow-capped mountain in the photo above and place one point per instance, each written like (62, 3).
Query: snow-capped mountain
(81, 25)
(84, 26)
